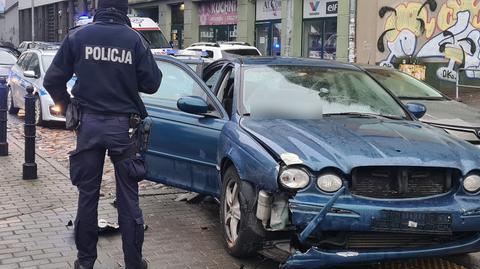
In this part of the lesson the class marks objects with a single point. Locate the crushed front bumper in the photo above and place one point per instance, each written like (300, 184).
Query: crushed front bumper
(313, 214)
(316, 258)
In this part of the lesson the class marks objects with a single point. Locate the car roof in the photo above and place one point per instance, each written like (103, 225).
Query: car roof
(293, 61)
(48, 52)
(375, 67)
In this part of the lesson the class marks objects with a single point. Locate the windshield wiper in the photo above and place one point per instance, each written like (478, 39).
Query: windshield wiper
(427, 98)
(364, 115)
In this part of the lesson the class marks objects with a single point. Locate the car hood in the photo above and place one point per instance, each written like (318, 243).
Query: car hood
(449, 112)
(346, 143)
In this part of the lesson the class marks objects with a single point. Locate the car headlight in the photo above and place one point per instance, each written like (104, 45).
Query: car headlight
(294, 178)
(329, 182)
(472, 183)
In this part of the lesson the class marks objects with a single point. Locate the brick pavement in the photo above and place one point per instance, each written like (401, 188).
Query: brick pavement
(34, 214)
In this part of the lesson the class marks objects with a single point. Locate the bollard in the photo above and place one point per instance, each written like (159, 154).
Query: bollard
(30, 167)
(3, 117)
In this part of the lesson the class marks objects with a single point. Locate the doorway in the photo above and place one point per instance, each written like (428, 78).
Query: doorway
(320, 38)
(268, 38)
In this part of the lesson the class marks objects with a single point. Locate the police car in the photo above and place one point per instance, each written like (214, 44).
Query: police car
(221, 50)
(158, 43)
(30, 70)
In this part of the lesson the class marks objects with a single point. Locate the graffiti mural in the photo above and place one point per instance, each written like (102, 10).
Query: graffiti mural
(430, 31)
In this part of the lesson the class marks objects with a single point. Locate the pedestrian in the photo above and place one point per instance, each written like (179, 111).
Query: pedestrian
(112, 63)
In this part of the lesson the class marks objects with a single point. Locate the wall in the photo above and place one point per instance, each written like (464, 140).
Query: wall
(444, 35)
(9, 23)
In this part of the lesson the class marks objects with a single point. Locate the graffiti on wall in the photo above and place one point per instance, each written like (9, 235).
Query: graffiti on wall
(428, 30)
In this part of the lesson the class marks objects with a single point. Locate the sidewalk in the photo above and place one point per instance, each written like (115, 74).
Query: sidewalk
(34, 215)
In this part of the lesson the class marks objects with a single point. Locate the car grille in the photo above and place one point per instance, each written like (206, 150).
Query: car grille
(379, 240)
(401, 182)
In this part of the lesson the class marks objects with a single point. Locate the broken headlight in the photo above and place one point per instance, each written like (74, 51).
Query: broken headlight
(294, 178)
(472, 183)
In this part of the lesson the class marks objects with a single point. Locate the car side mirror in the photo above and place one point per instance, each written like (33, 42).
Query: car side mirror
(418, 110)
(30, 74)
(193, 105)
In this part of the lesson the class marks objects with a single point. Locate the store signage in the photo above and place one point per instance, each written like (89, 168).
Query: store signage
(319, 8)
(218, 12)
(269, 10)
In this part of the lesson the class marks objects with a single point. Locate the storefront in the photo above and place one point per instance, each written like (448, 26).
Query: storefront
(268, 27)
(177, 32)
(320, 29)
(218, 21)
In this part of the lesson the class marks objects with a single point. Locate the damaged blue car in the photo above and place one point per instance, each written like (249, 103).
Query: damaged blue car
(313, 162)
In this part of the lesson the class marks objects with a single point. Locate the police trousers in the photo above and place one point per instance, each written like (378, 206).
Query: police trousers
(97, 135)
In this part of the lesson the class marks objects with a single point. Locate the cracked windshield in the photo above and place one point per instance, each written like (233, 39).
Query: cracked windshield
(305, 92)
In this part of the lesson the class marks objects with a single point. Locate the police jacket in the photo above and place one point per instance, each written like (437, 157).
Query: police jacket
(112, 63)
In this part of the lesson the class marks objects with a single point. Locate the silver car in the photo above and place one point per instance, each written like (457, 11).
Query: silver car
(454, 117)
(30, 70)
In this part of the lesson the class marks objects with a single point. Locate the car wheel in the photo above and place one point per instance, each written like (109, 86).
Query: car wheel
(11, 108)
(38, 111)
(243, 233)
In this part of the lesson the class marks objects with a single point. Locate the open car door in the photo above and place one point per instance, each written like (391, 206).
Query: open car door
(182, 150)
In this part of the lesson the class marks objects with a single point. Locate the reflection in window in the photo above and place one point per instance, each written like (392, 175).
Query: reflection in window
(176, 83)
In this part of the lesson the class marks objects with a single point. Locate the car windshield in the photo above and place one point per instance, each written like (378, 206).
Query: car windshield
(309, 92)
(156, 38)
(47, 61)
(404, 85)
(243, 52)
(6, 58)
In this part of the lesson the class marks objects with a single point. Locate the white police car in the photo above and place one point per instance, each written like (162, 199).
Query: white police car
(221, 50)
(30, 70)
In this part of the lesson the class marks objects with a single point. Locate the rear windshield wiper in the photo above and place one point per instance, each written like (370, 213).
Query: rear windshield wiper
(364, 115)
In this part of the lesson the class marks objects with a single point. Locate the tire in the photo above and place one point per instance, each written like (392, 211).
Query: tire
(12, 110)
(243, 233)
(38, 112)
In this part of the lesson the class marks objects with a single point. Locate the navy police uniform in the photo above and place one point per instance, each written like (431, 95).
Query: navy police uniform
(112, 63)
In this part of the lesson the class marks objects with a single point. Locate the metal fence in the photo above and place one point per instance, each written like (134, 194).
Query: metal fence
(458, 85)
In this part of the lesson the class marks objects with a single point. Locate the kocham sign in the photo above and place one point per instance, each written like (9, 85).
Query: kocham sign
(218, 13)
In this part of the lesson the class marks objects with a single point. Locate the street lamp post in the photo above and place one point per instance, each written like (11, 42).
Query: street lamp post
(33, 20)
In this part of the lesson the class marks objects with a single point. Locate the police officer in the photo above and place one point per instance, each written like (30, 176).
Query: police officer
(113, 63)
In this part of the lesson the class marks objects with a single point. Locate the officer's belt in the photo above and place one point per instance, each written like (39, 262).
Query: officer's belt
(94, 112)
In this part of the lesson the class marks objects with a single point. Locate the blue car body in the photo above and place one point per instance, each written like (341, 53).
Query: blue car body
(192, 151)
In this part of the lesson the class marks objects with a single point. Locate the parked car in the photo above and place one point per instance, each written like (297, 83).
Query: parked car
(315, 160)
(454, 117)
(9, 47)
(221, 50)
(30, 70)
(7, 60)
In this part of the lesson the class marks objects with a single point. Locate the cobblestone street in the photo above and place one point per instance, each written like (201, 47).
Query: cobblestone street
(34, 217)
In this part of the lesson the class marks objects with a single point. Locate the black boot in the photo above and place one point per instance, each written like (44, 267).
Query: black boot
(77, 265)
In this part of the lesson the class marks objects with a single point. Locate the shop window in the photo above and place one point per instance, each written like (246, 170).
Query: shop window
(320, 37)
(218, 33)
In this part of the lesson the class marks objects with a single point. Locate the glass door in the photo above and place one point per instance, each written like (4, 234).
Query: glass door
(320, 37)
(268, 38)
(263, 38)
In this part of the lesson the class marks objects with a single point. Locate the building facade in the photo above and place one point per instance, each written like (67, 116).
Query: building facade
(52, 18)
(310, 28)
(437, 37)
(9, 30)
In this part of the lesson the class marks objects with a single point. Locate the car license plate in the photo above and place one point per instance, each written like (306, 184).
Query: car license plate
(411, 222)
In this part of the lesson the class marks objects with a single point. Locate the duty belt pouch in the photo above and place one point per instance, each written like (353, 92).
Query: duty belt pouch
(73, 115)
